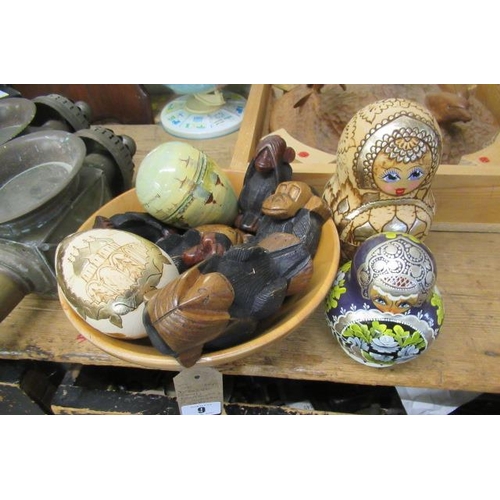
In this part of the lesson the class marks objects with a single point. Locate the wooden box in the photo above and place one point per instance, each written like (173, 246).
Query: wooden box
(26, 388)
(467, 196)
(95, 390)
(131, 391)
(125, 391)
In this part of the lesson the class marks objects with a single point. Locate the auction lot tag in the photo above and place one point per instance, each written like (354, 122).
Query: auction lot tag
(199, 391)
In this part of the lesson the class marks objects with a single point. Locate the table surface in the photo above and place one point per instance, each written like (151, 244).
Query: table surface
(465, 356)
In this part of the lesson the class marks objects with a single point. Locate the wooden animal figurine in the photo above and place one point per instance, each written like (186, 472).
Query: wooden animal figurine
(185, 247)
(384, 307)
(224, 296)
(386, 160)
(187, 313)
(291, 258)
(236, 236)
(263, 273)
(139, 223)
(269, 167)
(258, 287)
(294, 209)
(211, 243)
(220, 302)
(191, 247)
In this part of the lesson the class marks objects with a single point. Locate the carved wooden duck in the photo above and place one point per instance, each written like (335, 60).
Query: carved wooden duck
(317, 114)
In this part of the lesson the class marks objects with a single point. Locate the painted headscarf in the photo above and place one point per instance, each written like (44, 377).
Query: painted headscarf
(403, 129)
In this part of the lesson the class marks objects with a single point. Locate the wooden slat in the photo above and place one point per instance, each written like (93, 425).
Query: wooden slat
(489, 95)
(254, 122)
(467, 194)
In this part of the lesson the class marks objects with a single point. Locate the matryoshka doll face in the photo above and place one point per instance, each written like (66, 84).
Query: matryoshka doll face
(399, 178)
(395, 271)
(387, 303)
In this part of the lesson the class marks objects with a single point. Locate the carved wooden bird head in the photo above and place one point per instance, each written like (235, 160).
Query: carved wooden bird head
(448, 107)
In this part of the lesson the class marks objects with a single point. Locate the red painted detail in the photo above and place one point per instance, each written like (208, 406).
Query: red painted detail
(484, 159)
(303, 154)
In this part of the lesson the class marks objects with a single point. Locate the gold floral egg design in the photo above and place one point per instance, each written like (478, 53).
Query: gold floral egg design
(104, 274)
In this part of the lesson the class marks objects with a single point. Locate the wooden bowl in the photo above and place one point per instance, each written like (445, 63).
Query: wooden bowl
(294, 311)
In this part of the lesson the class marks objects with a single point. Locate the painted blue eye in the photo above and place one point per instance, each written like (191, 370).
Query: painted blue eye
(391, 176)
(415, 174)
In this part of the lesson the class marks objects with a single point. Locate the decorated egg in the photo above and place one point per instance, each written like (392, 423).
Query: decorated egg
(104, 275)
(183, 187)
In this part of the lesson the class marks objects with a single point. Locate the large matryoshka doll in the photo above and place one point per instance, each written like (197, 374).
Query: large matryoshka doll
(384, 307)
(387, 156)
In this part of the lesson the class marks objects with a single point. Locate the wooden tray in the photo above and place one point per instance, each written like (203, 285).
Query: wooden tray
(467, 196)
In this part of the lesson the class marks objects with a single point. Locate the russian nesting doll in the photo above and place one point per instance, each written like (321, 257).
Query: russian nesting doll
(384, 307)
(387, 156)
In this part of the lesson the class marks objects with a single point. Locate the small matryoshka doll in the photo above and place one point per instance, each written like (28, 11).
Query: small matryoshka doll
(387, 156)
(384, 307)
